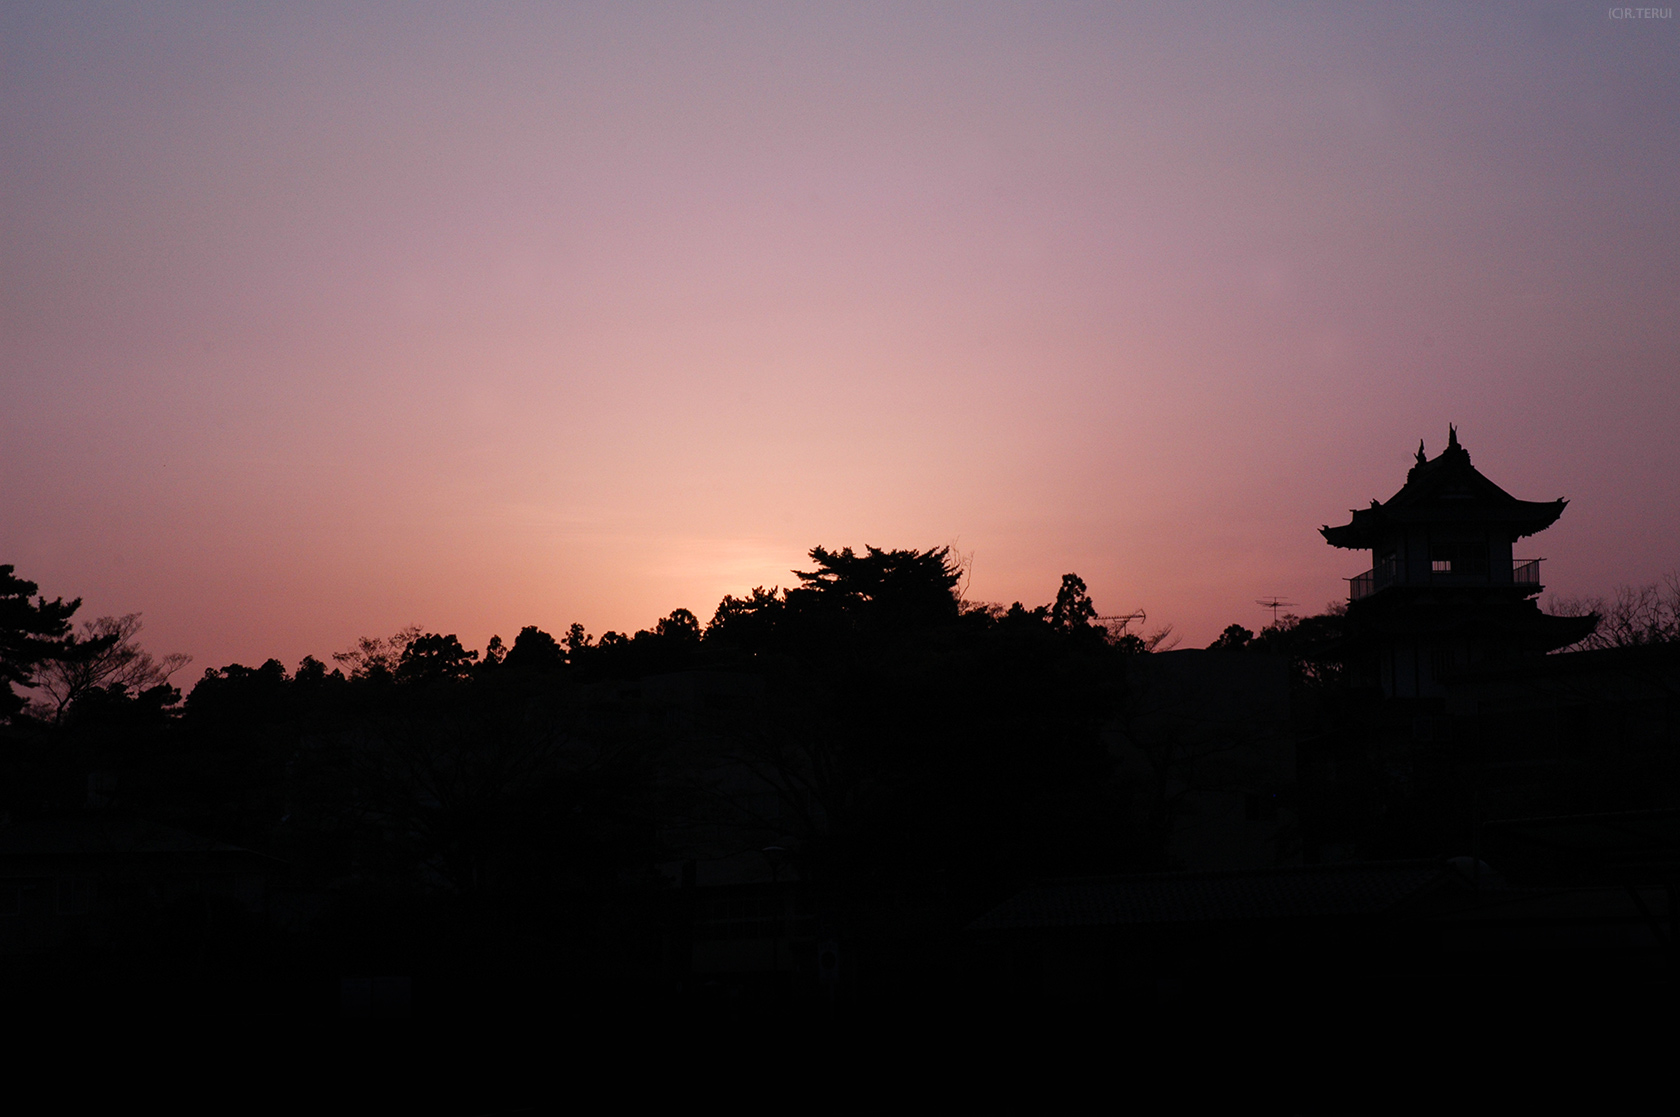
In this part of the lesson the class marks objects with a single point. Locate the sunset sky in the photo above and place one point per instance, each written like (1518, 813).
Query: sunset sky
(316, 321)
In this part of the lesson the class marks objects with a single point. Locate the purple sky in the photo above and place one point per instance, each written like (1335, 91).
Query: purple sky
(318, 321)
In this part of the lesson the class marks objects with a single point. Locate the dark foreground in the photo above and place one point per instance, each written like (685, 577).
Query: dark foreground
(490, 1043)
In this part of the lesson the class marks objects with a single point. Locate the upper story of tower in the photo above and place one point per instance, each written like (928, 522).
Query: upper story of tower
(1447, 526)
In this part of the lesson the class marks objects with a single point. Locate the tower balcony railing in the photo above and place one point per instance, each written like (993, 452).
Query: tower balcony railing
(1524, 572)
(1374, 579)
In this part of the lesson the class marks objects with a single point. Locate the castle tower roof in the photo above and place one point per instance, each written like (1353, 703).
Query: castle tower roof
(1443, 490)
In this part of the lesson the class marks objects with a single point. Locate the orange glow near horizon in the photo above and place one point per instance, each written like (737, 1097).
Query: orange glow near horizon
(322, 322)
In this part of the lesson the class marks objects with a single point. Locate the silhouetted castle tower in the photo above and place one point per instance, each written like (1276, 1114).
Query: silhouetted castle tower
(1443, 592)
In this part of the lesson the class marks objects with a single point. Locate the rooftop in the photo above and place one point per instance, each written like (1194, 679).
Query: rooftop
(1446, 488)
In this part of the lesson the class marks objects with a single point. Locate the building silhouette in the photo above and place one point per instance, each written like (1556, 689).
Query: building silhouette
(1444, 592)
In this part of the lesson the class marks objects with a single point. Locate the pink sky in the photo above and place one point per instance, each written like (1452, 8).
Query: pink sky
(319, 321)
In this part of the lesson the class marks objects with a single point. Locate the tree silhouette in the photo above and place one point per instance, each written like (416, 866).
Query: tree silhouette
(576, 639)
(1073, 610)
(889, 739)
(681, 625)
(879, 587)
(534, 650)
(35, 634)
(434, 659)
(377, 657)
(1633, 615)
(1234, 639)
(107, 656)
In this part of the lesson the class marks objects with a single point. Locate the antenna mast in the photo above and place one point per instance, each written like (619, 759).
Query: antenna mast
(1117, 623)
(1274, 603)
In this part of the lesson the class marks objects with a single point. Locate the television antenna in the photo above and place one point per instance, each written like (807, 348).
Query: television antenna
(1117, 623)
(1274, 603)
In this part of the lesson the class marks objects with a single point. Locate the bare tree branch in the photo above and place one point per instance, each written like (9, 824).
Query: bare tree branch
(111, 657)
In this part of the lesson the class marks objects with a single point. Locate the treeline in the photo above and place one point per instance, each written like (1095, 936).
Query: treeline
(1632, 616)
(903, 752)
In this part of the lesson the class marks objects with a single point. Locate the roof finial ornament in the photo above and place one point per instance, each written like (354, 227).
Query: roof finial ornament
(1452, 437)
(1420, 458)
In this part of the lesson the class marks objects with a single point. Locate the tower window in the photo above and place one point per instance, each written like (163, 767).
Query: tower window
(1458, 558)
